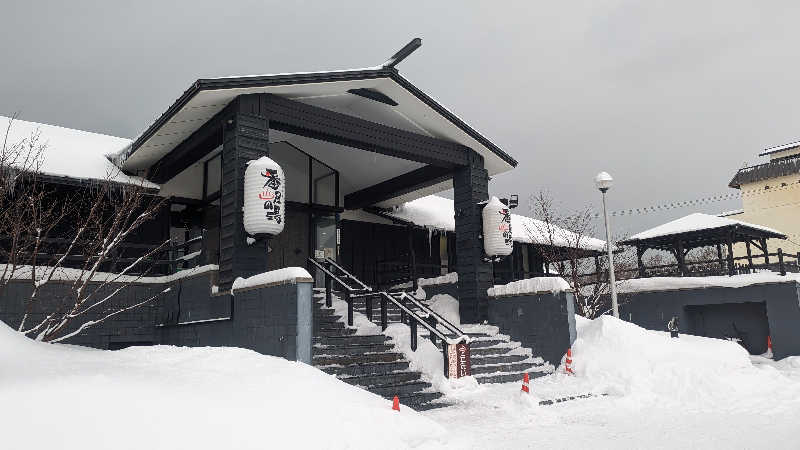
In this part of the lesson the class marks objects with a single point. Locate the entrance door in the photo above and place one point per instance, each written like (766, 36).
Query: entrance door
(290, 247)
(324, 240)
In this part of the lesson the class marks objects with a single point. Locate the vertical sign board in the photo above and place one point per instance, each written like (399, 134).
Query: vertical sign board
(458, 360)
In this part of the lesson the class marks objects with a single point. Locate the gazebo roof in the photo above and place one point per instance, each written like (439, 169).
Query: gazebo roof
(698, 230)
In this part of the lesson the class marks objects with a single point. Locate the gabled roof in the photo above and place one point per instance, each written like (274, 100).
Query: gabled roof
(73, 155)
(696, 223)
(340, 90)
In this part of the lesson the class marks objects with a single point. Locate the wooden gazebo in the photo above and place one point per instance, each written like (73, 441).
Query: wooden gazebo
(703, 230)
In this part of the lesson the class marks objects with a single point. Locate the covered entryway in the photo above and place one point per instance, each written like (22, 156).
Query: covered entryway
(745, 323)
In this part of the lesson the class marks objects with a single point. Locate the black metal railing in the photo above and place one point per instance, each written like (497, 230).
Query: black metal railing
(413, 312)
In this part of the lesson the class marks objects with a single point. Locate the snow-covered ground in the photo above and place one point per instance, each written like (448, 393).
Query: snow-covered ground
(650, 391)
(55, 396)
(660, 392)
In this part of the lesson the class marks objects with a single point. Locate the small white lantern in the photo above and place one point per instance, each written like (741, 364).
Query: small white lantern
(264, 197)
(497, 238)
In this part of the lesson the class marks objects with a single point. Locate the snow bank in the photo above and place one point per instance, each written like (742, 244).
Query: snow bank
(620, 358)
(671, 283)
(168, 397)
(446, 306)
(530, 286)
(287, 274)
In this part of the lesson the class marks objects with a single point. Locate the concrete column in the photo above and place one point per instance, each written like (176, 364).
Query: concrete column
(245, 137)
(471, 188)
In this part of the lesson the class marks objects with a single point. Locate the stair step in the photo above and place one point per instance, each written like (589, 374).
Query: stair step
(419, 401)
(485, 343)
(479, 360)
(489, 351)
(351, 340)
(408, 387)
(382, 379)
(334, 332)
(335, 325)
(367, 368)
(508, 368)
(346, 360)
(351, 349)
(507, 377)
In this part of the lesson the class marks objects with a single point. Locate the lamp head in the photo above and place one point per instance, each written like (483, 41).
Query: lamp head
(603, 181)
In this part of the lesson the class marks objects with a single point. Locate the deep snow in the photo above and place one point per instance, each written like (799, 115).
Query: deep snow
(65, 397)
(650, 391)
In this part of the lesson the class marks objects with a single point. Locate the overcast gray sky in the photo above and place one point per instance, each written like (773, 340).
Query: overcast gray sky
(669, 97)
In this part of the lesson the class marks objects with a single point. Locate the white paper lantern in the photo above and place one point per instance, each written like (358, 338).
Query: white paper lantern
(264, 197)
(497, 239)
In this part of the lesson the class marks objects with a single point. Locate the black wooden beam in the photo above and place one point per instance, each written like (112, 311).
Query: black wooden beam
(311, 121)
(402, 184)
(195, 147)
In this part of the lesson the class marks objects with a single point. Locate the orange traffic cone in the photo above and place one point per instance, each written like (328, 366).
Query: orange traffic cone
(769, 347)
(526, 379)
(396, 404)
(568, 362)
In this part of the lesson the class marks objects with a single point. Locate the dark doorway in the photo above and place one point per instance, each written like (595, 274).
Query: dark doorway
(746, 322)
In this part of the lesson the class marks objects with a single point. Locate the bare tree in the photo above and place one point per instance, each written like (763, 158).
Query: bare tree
(72, 236)
(568, 248)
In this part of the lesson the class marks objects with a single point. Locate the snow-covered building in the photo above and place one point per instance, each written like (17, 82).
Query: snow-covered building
(771, 195)
(430, 226)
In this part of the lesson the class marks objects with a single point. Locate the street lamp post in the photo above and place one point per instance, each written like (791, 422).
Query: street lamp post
(603, 181)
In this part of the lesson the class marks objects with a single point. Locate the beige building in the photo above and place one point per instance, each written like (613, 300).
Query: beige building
(771, 196)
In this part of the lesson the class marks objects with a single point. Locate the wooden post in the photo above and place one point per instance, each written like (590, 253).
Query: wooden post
(731, 269)
(598, 273)
(680, 257)
(765, 250)
(719, 257)
(639, 262)
(749, 255)
(780, 261)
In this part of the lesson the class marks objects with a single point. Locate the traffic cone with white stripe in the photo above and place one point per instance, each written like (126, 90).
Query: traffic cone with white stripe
(568, 363)
(526, 380)
(769, 347)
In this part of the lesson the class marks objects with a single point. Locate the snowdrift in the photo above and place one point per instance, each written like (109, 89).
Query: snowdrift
(620, 358)
(67, 397)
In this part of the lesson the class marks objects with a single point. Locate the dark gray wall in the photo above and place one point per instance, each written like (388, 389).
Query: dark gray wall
(742, 305)
(273, 320)
(543, 322)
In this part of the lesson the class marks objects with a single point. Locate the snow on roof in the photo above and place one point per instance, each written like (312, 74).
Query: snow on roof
(437, 212)
(73, 153)
(675, 283)
(732, 212)
(778, 148)
(695, 222)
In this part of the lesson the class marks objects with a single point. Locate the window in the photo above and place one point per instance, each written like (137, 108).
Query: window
(308, 180)
(213, 177)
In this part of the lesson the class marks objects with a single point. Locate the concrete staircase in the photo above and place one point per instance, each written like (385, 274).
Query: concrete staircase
(367, 361)
(495, 358)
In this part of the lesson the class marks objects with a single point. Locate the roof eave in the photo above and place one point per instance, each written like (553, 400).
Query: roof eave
(204, 84)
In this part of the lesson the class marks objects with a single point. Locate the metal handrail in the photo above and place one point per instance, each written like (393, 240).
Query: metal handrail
(425, 323)
(439, 318)
(350, 275)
